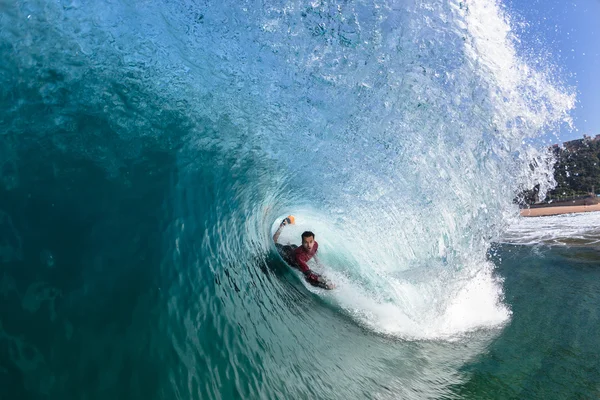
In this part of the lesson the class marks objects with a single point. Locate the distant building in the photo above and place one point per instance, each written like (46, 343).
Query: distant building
(574, 144)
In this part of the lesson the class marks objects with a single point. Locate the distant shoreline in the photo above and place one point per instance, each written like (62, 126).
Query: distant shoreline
(558, 210)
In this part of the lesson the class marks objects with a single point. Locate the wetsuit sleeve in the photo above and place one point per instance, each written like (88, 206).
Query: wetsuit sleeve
(310, 276)
(302, 264)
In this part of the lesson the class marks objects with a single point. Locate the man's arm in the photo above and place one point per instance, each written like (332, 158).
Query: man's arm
(317, 280)
(311, 277)
(278, 232)
(301, 263)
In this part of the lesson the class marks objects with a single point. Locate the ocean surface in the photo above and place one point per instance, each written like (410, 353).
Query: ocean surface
(148, 150)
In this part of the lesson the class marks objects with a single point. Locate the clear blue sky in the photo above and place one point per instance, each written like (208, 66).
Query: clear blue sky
(568, 34)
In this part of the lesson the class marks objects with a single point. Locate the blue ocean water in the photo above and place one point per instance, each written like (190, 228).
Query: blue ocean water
(149, 149)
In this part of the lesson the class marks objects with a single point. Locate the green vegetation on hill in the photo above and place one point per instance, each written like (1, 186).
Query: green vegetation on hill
(577, 172)
(577, 169)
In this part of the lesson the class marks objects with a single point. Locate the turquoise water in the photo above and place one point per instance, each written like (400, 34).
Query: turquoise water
(148, 150)
(550, 348)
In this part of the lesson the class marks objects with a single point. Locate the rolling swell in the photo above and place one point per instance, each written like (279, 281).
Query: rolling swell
(147, 151)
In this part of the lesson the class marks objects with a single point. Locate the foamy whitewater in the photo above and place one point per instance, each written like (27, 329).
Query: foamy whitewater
(149, 149)
(558, 230)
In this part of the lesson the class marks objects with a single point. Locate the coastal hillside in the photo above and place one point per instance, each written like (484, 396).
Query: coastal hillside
(577, 169)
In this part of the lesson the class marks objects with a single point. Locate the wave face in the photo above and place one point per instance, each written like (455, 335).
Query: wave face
(398, 132)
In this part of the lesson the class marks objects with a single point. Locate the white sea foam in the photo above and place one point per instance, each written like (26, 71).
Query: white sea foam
(561, 230)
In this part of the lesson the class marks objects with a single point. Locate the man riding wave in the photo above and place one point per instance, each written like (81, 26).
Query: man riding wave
(299, 256)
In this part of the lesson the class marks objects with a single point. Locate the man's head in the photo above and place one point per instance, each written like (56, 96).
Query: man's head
(308, 240)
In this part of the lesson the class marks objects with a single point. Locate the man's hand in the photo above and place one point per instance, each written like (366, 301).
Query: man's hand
(317, 280)
(312, 277)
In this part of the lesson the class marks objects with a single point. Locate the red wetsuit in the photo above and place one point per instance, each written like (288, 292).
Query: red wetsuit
(298, 257)
(302, 256)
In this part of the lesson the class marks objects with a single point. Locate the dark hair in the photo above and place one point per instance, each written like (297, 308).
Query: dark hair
(307, 234)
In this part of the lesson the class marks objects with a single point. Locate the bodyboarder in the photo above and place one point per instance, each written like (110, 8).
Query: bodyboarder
(298, 256)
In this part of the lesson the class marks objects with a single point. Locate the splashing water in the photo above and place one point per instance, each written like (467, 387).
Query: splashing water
(400, 129)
